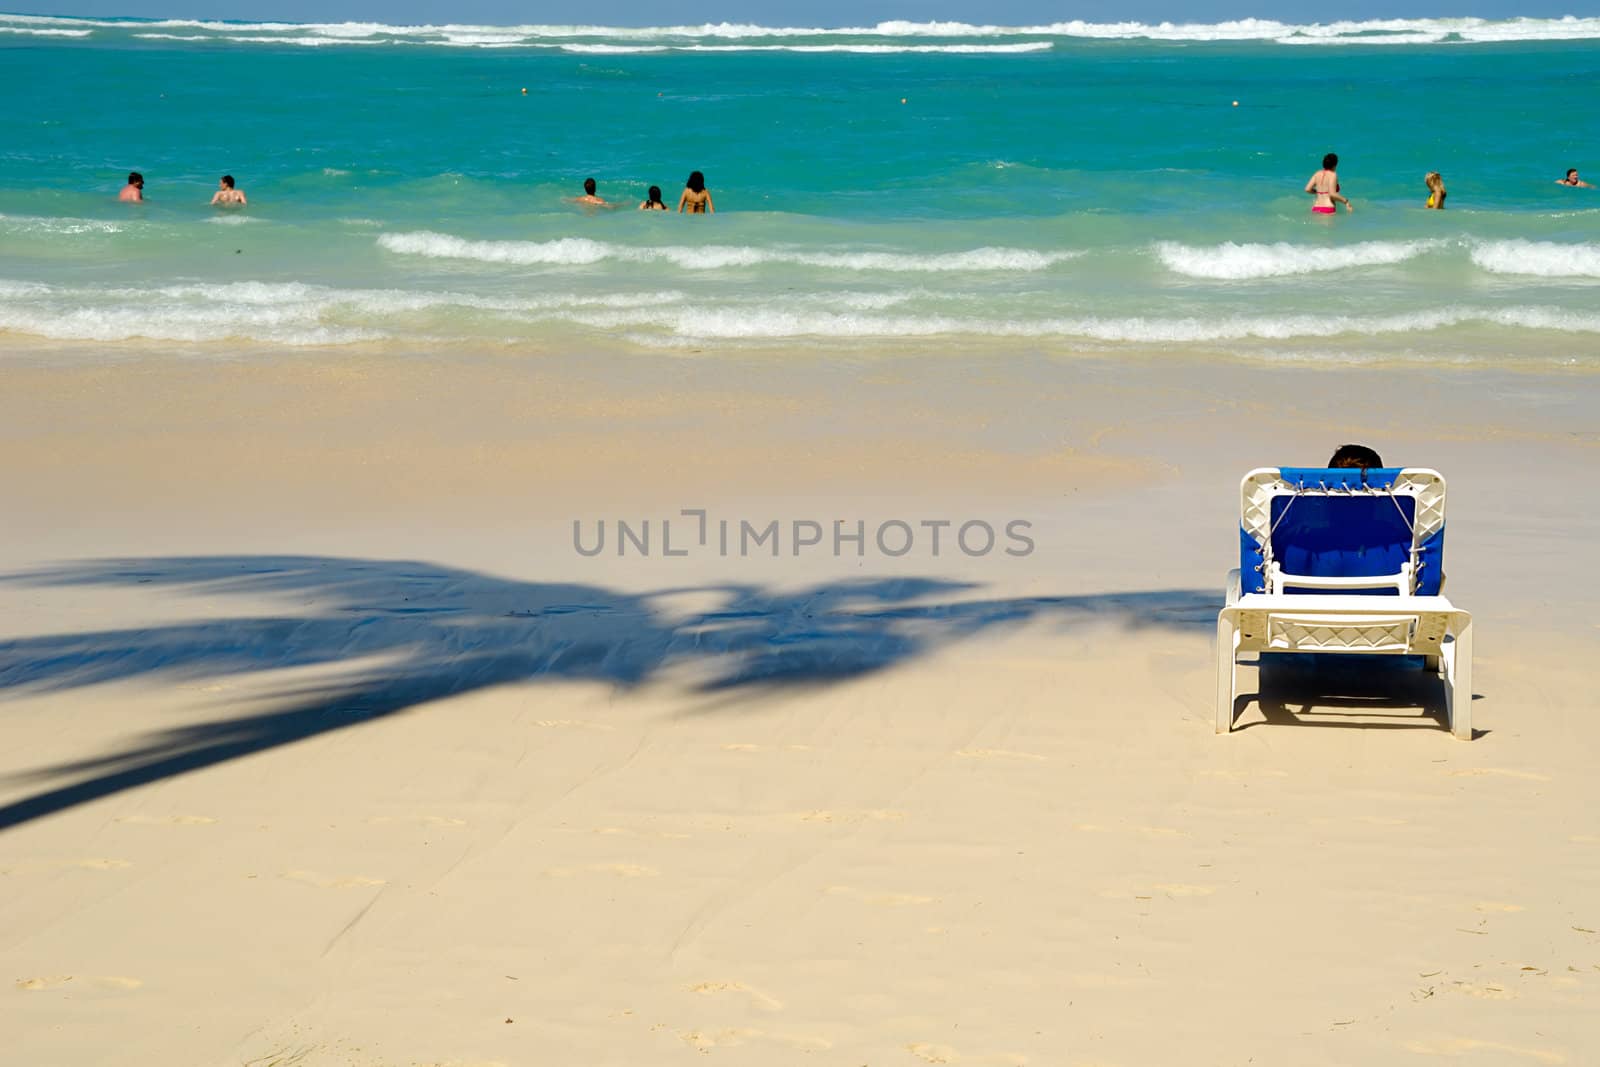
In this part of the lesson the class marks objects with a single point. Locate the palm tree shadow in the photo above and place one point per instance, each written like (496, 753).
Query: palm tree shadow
(397, 634)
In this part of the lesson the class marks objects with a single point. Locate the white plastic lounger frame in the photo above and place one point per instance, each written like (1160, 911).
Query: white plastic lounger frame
(1401, 625)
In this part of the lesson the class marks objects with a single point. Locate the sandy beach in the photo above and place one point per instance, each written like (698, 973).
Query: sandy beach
(321, 744)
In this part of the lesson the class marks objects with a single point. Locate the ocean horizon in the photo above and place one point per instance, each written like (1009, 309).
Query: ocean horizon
(1072, 187)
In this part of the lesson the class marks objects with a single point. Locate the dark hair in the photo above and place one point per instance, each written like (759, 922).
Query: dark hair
(1571, 171)
(696, 182)
(135, 178)
(1355, 456)
(588, 186)
(655, 194)
(227, 179)
(1330, 162)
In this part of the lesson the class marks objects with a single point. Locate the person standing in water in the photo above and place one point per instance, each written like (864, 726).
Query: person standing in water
(696, 200)
(1436, 193)
(226, 195)
(652, 200)
(1324, 185)
(133, 192)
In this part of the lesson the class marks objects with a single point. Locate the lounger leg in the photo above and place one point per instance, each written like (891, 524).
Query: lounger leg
(1227, 670)
(1434, 663)
(1458, 682)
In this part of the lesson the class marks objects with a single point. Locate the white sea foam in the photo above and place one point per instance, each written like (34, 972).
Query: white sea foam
(1375, 31)
(310, 42)
(56, 226)
(770, 323)
(1238, 262)
(292, 313)
(37, 32)
(581, 251)
(1544, 259)
(885, 50)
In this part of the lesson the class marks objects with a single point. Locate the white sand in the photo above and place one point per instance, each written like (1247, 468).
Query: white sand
(346, 757)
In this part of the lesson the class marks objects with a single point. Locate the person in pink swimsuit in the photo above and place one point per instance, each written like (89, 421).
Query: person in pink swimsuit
(1324, 185)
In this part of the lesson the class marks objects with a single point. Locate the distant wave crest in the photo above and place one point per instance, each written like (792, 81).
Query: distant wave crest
(1543, 259)
(875, 38)
(581, 251)
(296, 314)
(1237, 262)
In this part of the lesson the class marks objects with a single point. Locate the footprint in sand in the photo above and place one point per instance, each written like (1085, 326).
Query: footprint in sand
(166, 820)
(1000, 753)
(620, 870)
(106, 982)
(95, 864)
(1456, 1046)
(706, 1040)
(425, 820)
(757, 997)
(1171, 889)
(850, 816)
(1107, 981)
(1499, 772)
(931, 1053)
(1495, 905)
(322, 881)
(1148, 831)
(890, 900)
(623, 831)
(1484, 991)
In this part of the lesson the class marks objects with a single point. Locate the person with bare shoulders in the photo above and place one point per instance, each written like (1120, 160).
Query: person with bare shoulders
(652, 200)
(589, 199)
(696, 199)
(1436, 193)
(226, 195)
(1573, 180)
(133, 192)
(1324, 185)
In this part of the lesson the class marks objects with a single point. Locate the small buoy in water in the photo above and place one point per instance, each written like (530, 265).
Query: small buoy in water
(1235, 103)
(524, 92)
(902, 99)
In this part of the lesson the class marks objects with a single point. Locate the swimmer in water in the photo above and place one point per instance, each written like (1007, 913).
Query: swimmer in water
(589, 199)
(226, 195)
(652, 200)
(696, 200)
(133, 192)
(1436, 193)
(1573, 180)
(1324, 185)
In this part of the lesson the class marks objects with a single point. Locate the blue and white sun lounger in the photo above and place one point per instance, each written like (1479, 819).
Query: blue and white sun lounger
(1346, 561)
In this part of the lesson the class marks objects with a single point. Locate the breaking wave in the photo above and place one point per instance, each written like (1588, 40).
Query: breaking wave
(581, 251)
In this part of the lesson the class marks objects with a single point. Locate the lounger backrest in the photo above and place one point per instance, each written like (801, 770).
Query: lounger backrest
(1337, 523)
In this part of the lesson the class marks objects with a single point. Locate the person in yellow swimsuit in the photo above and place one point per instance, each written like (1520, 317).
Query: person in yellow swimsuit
(1436, 193)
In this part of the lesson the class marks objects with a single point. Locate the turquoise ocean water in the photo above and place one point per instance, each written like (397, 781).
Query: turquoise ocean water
(1073, 187)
